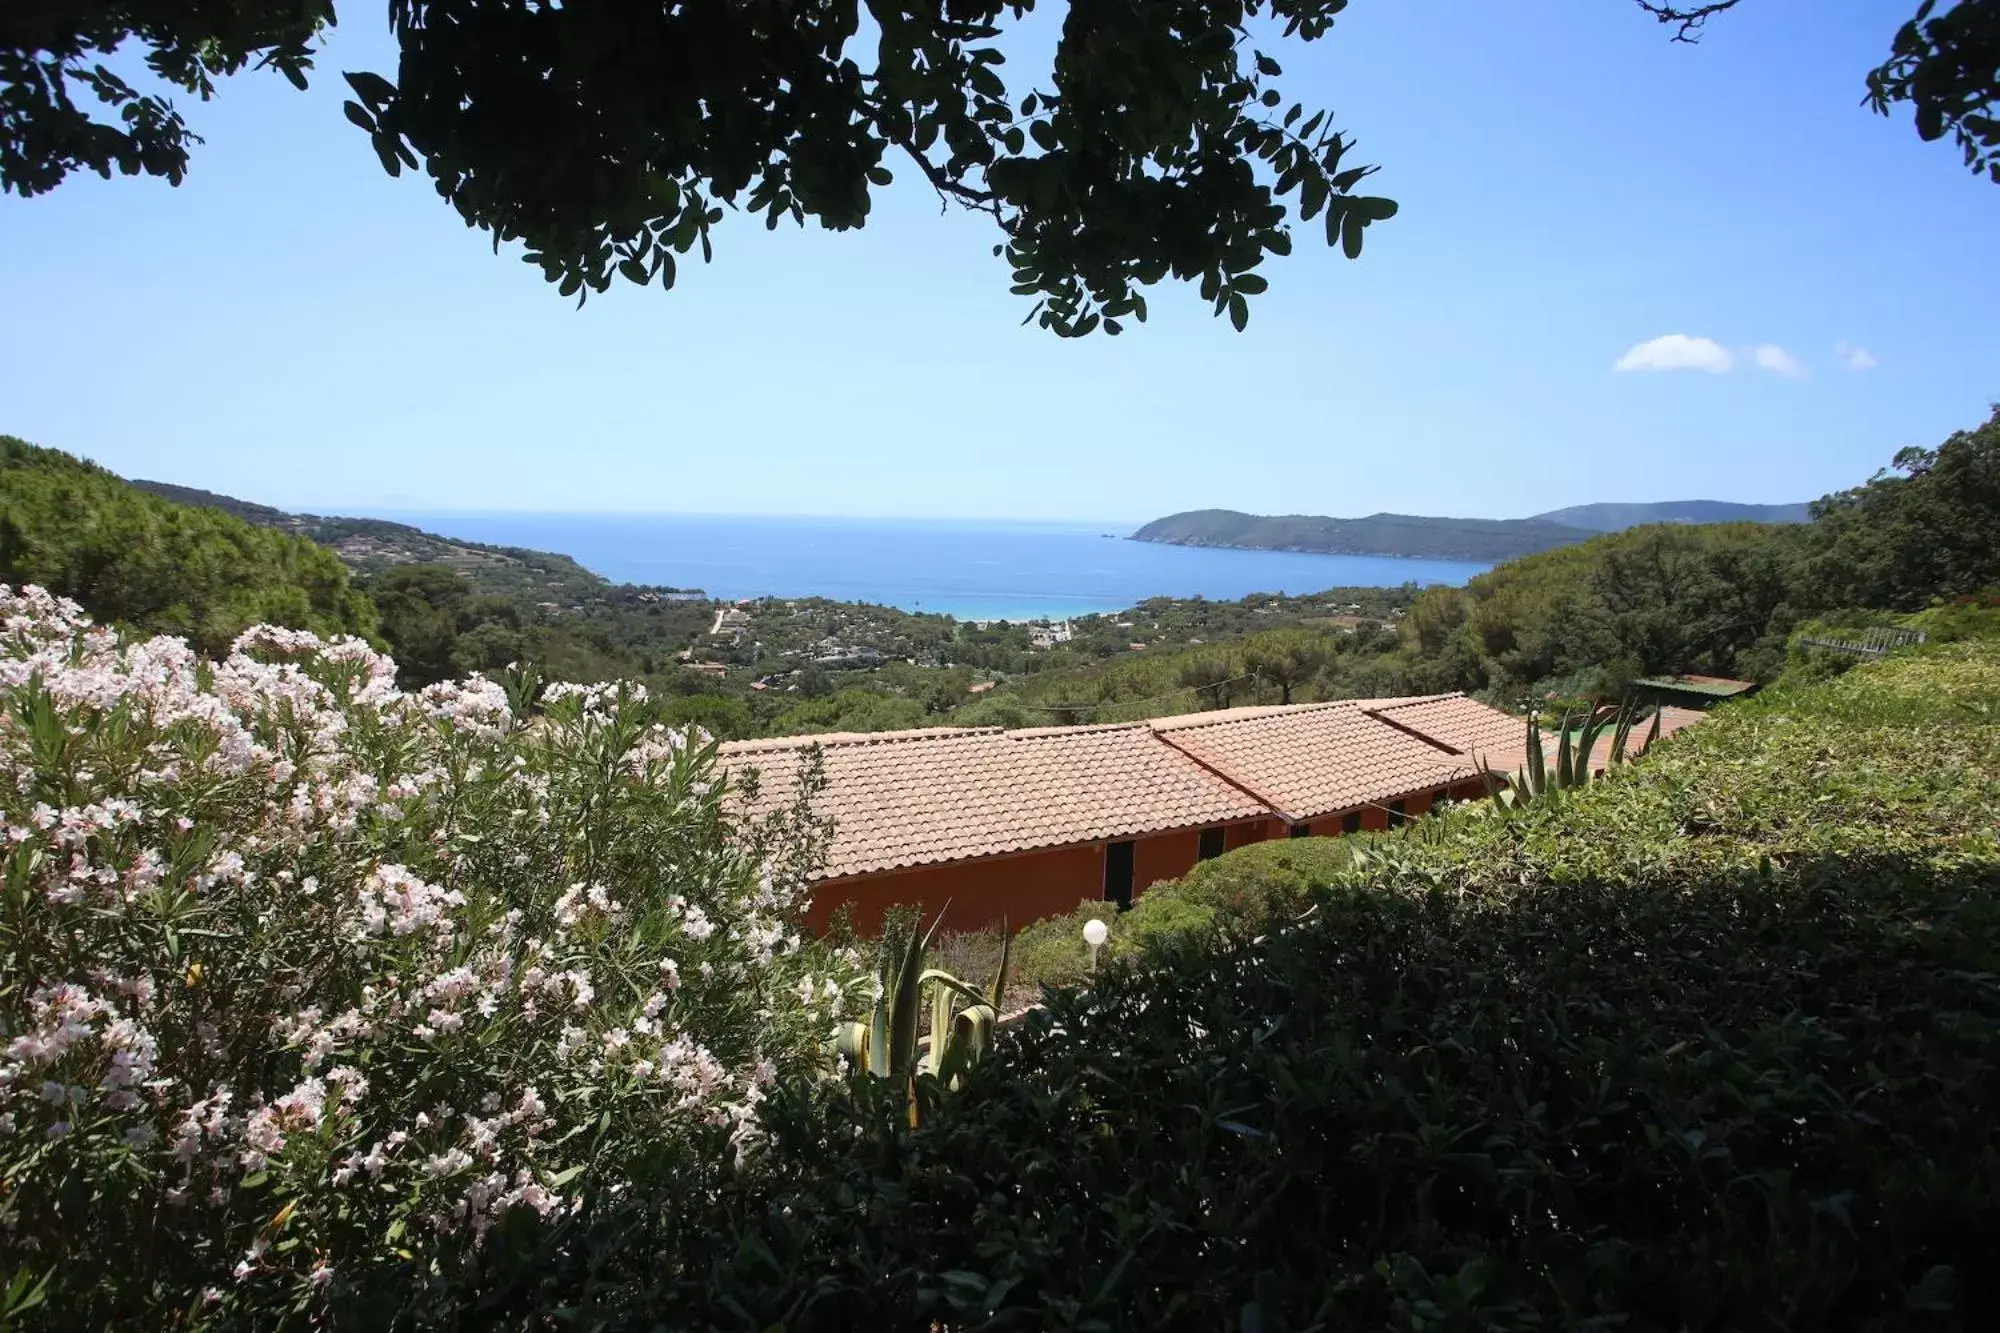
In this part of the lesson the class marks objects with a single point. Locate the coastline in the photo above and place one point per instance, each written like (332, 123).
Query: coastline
(1371, 553)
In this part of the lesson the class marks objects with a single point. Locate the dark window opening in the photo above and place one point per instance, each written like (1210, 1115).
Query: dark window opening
(1302, 830)
(1211, 845)
(1399, 812)
(1118, 874)
(1351, 822)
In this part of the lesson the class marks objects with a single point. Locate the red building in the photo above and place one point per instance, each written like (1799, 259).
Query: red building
(1025, 824)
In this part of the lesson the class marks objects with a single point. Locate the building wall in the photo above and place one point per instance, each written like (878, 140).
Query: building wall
(1255, 830)
(1167, 856)
(1020, 889)
(1024, 889)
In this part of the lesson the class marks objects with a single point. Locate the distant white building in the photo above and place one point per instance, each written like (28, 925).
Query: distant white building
(1047, 635)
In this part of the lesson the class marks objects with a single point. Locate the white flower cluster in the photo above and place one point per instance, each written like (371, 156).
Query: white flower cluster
(341, 967)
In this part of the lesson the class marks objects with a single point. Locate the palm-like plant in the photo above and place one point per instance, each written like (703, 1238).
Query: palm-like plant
(887, 1045)
(1536, 781)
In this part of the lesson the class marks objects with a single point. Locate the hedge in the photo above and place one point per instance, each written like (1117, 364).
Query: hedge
(1711, 1046)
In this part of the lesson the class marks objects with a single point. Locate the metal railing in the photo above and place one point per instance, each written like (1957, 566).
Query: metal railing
(1872, 643)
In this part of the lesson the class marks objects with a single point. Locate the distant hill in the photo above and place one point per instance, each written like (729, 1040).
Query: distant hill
(133, 558)
(1483, 539)
(371, 545)
(1618, 517)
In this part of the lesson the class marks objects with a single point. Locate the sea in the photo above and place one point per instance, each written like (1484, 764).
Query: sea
(972, 569)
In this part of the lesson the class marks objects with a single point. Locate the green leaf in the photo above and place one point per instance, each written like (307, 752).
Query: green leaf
(385, 149)
(1239, 311)
(880, 175)
(370, 88)
(1350, 234)
(1312, 198)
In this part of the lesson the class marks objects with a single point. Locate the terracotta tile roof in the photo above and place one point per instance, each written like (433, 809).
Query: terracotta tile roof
(909, 798)
(1454, 721)
(1673, 719)
(1314, 759)
(899, 799)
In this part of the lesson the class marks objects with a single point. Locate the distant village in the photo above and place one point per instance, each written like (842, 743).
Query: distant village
(842, 636)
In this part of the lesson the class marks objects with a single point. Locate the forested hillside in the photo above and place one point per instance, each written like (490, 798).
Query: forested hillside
(1378, 534)
(1717, 597)
(1618, 517)
(372, 545)
(1582, 619)
(1588, 617)
(138, 560)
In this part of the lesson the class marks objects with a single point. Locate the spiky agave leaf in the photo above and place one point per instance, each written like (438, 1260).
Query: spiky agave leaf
(941, 1007)
(852, 1041)
(971, 1041)
(908, 993)
(878, 1036)
(1593, 729)
(1537, 761)
(1565, 774)
(1006, 956)
(1621, 735)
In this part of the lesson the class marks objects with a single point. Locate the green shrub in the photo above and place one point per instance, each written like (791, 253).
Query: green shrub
(1976, 616)
(134, 559)
(1242, 891)
(1051, 952)
(1712, 1044)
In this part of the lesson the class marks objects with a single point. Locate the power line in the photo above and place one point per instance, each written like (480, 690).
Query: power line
(1121, 703)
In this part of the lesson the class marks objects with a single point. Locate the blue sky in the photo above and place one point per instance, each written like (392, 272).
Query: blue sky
(293, 326)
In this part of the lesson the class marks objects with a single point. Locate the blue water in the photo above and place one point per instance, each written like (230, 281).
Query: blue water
(976, 570)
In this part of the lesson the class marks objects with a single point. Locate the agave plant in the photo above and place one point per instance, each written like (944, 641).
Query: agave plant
(1536, 781)
(888, 1046)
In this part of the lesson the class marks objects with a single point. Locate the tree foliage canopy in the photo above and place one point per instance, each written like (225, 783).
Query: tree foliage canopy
(1718, 596)
(1946, 66)
(611, 139)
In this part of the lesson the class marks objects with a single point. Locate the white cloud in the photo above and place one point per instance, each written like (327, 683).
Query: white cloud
(1677, 351)
(1854, 358)
(1777, 360)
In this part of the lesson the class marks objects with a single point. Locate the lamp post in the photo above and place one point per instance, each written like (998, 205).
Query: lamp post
(1095, 932)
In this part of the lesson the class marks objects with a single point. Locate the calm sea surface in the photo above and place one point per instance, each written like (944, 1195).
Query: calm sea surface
(972, 569)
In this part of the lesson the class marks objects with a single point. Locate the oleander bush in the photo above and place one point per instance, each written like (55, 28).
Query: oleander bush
(329, 1005)
(1713, 1044)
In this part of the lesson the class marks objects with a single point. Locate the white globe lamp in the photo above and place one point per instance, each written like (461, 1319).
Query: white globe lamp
(1095, 932)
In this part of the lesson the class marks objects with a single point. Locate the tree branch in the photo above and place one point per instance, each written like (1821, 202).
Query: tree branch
(949, 190)
(1690, 17)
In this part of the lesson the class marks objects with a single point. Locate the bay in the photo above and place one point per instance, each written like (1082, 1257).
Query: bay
(969, 568)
